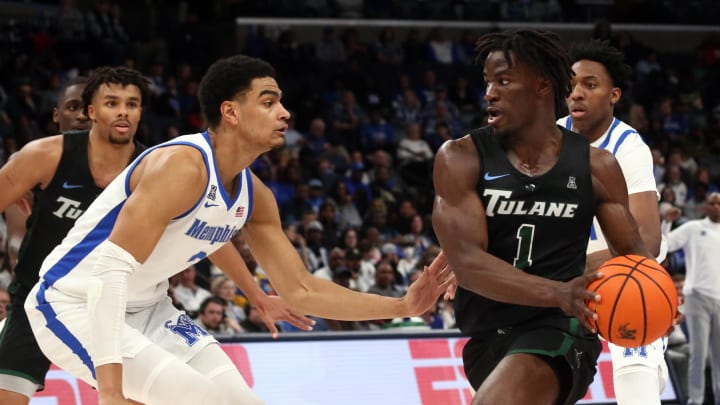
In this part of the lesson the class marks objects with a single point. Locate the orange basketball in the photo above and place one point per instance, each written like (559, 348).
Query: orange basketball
(638, 301)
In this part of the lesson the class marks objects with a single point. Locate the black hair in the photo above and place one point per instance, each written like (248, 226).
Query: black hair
(211, 300)
(540, 50)
(115, 75)
(605, 54)
(227, 78)
(75, 81)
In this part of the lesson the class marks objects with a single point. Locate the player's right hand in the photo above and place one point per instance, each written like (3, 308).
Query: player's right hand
(573, 295)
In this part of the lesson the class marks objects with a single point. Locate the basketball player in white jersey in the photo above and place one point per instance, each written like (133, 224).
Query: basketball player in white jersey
(100, 310)
(639, 374)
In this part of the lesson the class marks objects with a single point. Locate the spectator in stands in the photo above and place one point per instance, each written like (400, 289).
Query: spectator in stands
(387, 50)
(673, 179)
(376, 133)
(336, 260)
(440, 47)
(328, 217)
(408, 110)
(224, 288)
(316, 251)
(106, 33)
(188, 293)
(414, 157)
(363, 272)
(4, 301)
(385, 281)
(330, 49)
(349, 216)
(347, 117)
(211, 317)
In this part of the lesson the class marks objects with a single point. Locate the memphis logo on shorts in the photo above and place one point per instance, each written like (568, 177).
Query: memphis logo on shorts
(186, 329)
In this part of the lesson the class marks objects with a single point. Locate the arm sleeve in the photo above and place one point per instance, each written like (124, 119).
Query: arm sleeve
(107, 294)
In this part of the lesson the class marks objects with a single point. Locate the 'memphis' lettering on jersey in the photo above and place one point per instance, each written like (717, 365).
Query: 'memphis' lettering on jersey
(501, 204)
(200, 230)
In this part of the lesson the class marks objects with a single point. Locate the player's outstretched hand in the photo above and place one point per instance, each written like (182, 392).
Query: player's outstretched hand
(451, 289)
(424, 292)
(274, 309)
(573, 294)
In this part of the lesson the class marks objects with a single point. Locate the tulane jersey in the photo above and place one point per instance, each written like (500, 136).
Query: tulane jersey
(56, 208)
(538, 224)
(187, 239)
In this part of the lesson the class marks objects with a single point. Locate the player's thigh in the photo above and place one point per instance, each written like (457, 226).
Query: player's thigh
(22, 364)
(538, 383)
(62, 333)
(171, 329)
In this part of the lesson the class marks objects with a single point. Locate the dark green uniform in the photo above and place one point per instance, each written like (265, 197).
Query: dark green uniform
(54, 212)
(540, 225)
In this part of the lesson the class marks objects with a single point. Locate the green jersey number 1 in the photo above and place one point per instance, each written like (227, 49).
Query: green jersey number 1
(525, 236)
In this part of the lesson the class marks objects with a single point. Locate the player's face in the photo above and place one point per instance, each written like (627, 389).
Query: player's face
(592, 98)
(68, 114)
(115, 112)
(712, 207)
(261, 114)
(509, 92)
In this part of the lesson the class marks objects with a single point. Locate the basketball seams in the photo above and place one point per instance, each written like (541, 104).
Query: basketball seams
(641, 298)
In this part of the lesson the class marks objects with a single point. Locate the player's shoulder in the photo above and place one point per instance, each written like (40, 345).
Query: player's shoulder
(625, 137)
(49, 148)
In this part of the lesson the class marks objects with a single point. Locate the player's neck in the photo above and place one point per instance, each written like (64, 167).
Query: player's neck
(232, 155)
(593, 134)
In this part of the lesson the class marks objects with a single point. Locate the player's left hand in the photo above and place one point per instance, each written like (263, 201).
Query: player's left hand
(424, 292)
(274, 309)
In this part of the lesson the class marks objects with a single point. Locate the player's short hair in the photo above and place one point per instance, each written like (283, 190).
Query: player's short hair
(115, 75)
(75, 81)
(226, 79)
(605, 54)
(538, 49)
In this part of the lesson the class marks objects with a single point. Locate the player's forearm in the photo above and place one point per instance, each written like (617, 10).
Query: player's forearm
(596, 259)
(328, 300)
(497, 280)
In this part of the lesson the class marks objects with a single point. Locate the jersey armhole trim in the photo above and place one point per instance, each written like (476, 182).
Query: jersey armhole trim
(134, 164)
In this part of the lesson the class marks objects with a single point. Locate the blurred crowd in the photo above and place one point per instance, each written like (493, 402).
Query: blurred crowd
(354, 182)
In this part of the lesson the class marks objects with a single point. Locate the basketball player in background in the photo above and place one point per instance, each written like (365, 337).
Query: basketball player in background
(639, 374)
(514, 224)
(69, 116)
(100, 309)
(22, 364)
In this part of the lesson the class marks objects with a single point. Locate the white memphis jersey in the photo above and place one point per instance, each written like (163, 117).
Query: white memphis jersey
(635, 160)
(189, 238)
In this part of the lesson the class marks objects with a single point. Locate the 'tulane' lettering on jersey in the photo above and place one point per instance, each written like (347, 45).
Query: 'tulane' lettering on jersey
(501, 204)
(200, 230)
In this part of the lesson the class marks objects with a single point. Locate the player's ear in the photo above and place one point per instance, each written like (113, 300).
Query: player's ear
(91, 112)
(229, 111)
(615, 95)
(544, 87)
